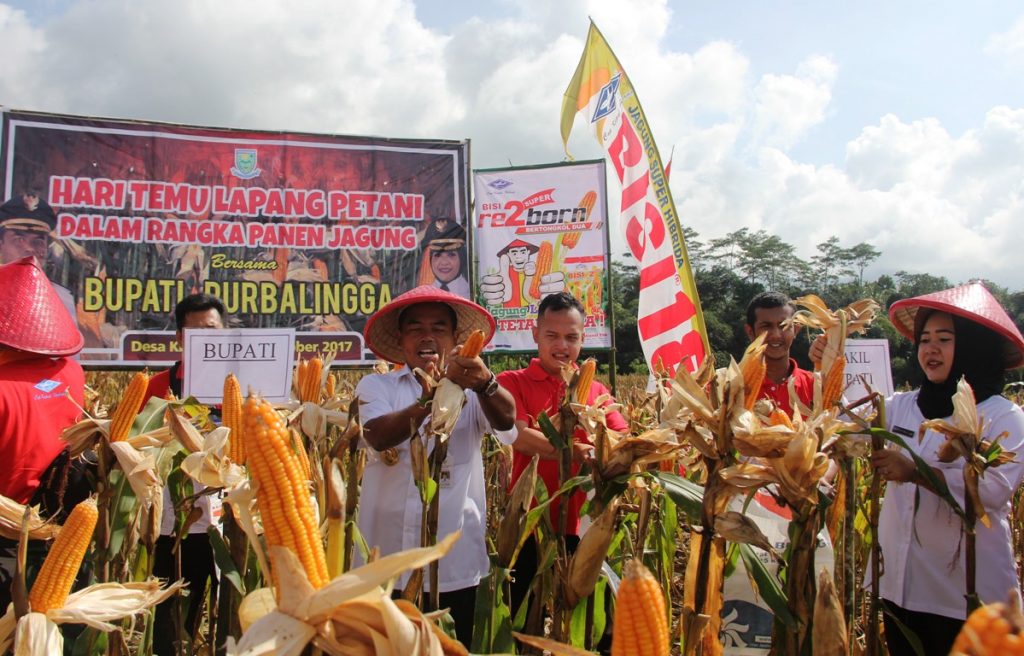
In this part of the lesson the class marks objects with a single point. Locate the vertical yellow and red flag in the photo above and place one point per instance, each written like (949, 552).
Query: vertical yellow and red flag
(669, 318)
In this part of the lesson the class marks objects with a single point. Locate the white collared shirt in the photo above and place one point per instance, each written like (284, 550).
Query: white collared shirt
(924, 553)
(390, 507)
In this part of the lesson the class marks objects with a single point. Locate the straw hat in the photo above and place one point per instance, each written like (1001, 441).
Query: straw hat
(971, 301)
(32, 317)
(382, 334)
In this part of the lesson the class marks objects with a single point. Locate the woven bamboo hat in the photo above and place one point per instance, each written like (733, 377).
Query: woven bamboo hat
(971, 301)
(32, 317)
(382, 334)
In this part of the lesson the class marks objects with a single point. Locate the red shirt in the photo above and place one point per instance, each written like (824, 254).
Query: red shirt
(536, 391)
(803, 383)
(160, 382)
(34, 411)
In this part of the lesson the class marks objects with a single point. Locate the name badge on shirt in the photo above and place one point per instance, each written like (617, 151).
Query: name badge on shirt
(905, 432)
(446, 476)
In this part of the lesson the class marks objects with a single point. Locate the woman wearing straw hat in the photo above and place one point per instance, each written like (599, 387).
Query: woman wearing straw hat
(959, 332)
(420, 329)
(41, 392)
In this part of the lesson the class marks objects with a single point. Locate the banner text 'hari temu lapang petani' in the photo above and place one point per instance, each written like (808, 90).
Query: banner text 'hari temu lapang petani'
(289, 230)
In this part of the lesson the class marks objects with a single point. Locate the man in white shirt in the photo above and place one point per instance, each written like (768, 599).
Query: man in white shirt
(420, 330)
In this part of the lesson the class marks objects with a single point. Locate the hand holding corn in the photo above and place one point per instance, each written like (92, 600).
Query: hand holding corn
(465, 367)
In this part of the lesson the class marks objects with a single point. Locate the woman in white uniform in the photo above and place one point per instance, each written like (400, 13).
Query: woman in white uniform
(959, 332)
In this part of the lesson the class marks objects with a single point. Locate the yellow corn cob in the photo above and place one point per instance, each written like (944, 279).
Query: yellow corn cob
(570, 239)
(52, 586)
(310, 390)
(128, 408)
(231, 413)
(283, 492)
(474, 344)
(990, 630)
(832, 386)
(753, 369)
(301, 453)
(586, 379)
(779, 417)
(641, 623)
(332, 385)
(300, 377)
(544, 257)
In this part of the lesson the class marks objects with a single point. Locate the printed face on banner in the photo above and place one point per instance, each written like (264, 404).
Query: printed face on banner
(539, 231)
(314, 232)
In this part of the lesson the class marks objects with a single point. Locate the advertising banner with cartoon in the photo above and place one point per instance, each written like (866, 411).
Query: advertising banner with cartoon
(540, 230)
(312, 232)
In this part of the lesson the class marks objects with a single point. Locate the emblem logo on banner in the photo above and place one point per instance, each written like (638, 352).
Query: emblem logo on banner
(245, 164)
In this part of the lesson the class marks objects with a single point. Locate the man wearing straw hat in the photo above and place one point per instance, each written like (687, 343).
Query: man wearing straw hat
(41, 392)
(420, 330)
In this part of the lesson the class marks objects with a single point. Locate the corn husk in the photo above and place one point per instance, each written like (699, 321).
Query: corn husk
(510, 530)
(585, 565)
(11, 515)
(829, 630)
(95, 606)
(737, 527)
(351, 614)
(210, 465)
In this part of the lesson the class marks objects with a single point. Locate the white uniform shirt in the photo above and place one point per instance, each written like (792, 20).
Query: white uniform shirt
(924, 554)
(390, 507)
(459, 286)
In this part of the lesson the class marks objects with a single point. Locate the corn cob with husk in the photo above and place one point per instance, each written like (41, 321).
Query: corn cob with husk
(585, 564)
(231, 413)
(641, 619)
(513, 519)
(992, 630)
(788, 452)
(126, 411)
(829, 633)
(754, 369)
(544, 266)
(704, 410)
(349, 616)
(50, 603)
(586, 378)
(53, 584)
(282, 492)
(570, 239)
(855, 318)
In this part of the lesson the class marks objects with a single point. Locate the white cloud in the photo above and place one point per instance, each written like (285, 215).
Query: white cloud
(1008, 44)
(787, 106)
(931, 201)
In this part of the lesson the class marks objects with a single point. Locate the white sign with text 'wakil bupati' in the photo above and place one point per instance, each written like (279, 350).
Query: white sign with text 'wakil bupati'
(867, 365)
(261, 359)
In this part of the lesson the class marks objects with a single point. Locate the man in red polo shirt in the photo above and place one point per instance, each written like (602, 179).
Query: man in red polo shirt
(540, 388)
(41, 392)
(768, 314)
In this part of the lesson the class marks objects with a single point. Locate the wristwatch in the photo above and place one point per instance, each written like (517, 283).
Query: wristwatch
(490, 388)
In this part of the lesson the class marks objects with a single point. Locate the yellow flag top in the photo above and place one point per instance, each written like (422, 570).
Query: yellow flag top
(669, 318)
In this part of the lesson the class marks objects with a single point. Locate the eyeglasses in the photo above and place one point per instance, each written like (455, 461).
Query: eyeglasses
(28, 241)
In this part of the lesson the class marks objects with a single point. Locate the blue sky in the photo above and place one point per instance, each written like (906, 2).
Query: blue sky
(896, 123)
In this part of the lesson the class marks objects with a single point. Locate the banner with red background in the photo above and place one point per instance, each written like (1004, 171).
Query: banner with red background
(296, 230)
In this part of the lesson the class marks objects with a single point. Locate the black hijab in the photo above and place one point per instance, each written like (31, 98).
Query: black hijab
(978, 355)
